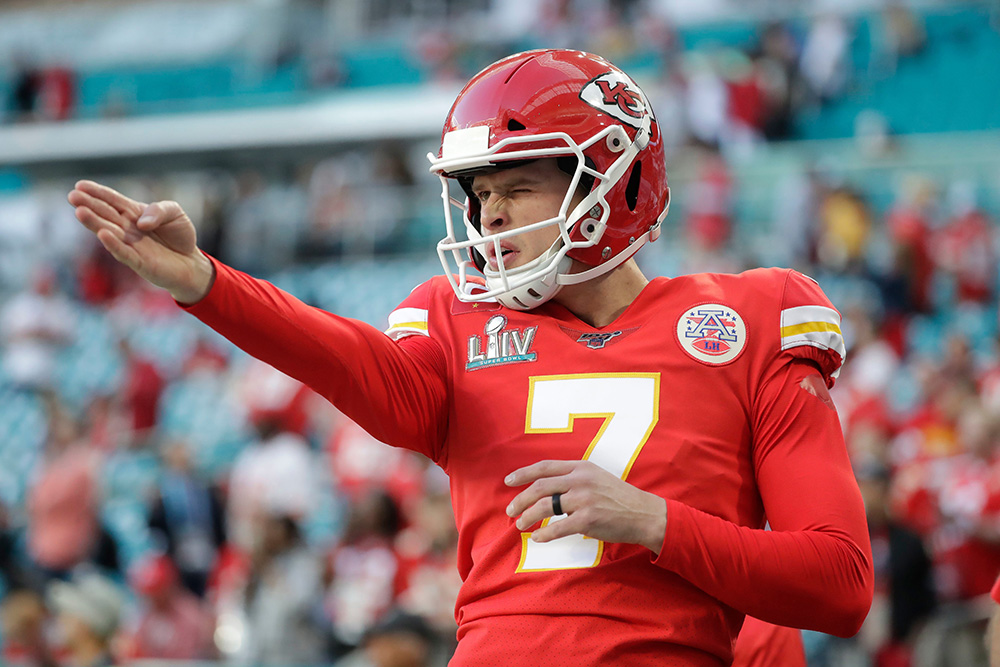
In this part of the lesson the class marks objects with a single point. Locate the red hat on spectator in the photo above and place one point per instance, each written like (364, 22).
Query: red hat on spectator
(154, 576)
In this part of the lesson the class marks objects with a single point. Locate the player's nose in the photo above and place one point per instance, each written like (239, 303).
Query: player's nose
(494, 215)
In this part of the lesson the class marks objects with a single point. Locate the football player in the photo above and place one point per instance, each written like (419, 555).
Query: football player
(615, 444)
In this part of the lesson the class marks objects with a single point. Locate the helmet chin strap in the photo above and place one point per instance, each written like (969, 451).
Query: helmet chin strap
(651, 234)
(601, 269)
(534, 292)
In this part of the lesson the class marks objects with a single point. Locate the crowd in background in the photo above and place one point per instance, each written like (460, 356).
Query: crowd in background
(231, 571)
(730, 89)
(234, 567)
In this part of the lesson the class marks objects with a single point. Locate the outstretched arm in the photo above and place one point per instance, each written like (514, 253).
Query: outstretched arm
(395, 391)
(157, 241)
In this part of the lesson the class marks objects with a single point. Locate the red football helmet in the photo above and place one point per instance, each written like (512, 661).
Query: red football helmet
(553, 103)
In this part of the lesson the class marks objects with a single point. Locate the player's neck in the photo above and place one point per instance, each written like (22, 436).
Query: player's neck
(600, 301)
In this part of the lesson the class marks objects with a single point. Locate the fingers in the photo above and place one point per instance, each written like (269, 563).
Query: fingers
(97, 223)
(128, 207)
(99, 212)
(529, 474)
(573, 524)
(539, 493)
(119, 249)
(158, 213)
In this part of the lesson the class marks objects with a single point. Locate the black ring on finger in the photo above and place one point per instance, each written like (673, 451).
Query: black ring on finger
(557, 504)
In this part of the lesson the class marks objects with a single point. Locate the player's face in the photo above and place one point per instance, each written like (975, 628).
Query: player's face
(520, 196)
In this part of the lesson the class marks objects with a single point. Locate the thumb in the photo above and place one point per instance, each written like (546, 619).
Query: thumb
(158, 213)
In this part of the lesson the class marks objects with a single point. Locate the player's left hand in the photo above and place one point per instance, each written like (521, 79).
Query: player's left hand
(597, 504)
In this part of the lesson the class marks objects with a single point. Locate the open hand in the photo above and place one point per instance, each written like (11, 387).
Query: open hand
(597, 504)
(157, 241)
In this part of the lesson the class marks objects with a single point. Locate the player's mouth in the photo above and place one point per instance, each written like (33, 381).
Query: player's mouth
(507, 254)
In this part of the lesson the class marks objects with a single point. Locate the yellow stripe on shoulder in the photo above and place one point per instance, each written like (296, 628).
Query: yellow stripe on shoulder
(409, 325)
(808, 327)
(407, 322)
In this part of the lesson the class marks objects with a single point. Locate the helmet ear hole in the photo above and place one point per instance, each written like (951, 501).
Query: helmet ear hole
(632, 189)
(514, 125)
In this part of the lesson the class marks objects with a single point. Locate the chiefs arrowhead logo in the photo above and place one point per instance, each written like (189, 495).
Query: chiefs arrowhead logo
(617, 95)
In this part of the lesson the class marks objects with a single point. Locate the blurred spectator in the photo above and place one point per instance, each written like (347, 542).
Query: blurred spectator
(904, 584)
(34, 326)
(264, 223)
(173, 624)
(14, 573)
(747, 104)
(910, 223)
(438, 51)
(42, 93)
(824, 61)
(709, 215)
(25, 90)
(188, 518)
(97, 276)
(671, 108)
(363, 568)
(968, 543)
(104, 425)
(142, 386)
(23, 624)
(361, 465)
(282, 597)
(796, 216)
(64, 528)
(930, 431)
(276, 473)
(863, 391)
(205, 356)
(707, 99)
(57, 93)
(778, 68)
(272, 397)
(965, 247)
(397, 640)
(897, 32)
(355, 202)
(844, 228)
(88, 611)
(427, 549)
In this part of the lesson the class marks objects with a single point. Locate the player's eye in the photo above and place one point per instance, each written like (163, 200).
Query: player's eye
(483, 195)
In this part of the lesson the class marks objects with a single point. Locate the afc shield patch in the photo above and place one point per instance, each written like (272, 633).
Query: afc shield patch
(712, 333)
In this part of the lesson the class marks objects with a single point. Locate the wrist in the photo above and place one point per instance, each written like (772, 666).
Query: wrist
(202, 279)
(657, 526)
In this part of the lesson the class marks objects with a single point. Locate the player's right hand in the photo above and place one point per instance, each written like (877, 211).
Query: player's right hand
(157, 240)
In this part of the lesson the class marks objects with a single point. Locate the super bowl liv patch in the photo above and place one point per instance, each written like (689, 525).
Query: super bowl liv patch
(500, 345)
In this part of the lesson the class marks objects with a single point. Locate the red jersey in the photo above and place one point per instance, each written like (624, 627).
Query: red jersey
(763, 644)
(707, 391)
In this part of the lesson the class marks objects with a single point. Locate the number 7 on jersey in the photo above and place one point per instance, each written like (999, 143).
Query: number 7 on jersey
(629, 405)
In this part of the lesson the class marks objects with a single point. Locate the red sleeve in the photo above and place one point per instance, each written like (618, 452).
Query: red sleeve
(813, 569)
(395, 391)
(995, 591)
